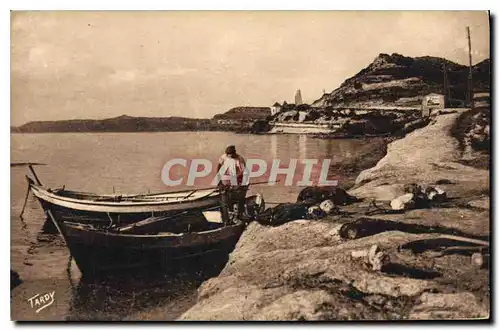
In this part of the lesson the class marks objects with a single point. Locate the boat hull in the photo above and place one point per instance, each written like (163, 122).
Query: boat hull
(106, 213)
(126, 205)
(98, 253)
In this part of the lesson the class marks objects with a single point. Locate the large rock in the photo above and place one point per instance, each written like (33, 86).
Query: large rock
(424, 156)
(299, 305)
(481, 203)
(471, 221)
(404, 202)
(448, 306)
(327, 206)
(305, 271)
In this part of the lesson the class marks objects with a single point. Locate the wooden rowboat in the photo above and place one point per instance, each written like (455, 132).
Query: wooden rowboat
(100, 252)
(103, 210)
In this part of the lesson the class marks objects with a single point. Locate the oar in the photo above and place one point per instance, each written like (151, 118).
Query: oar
(48, 211)
(190, 194)
(256, 183)
(25, 201)
(192, 191)
(21, 164)
(37, 180)
(160, 219)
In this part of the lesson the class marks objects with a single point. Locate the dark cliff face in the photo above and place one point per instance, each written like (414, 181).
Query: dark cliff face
(117, 124)
(400, 81)
(244, 114)
(240, 119)
(481, 75)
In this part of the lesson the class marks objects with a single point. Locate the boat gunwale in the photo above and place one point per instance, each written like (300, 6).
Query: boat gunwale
(114, 195)
(81, 228)
(41, 193)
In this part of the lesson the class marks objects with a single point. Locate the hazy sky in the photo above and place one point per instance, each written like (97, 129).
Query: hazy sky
(68, 65)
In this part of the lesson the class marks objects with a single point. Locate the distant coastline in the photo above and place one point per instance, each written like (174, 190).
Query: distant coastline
(382, 99)
(127, 123)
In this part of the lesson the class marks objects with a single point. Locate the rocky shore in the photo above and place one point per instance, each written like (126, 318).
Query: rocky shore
(316, 270)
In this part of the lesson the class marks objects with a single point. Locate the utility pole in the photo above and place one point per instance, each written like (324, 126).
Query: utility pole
(445, 85)
(470, 94)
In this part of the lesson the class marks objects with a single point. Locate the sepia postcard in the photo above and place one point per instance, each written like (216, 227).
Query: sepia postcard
(250, 165)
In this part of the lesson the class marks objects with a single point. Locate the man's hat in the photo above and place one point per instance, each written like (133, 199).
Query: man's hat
(230, 149)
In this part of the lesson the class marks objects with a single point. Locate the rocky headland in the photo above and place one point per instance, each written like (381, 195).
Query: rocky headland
(399, 82)
(384, 98)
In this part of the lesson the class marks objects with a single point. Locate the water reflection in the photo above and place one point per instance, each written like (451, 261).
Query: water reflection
(274, 146)
(122, 300)
(302, 147)
(148, 294)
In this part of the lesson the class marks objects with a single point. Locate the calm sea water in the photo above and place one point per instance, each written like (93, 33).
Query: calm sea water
(132, 163)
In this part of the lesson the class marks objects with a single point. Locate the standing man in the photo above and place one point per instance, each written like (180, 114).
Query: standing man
(234, 166)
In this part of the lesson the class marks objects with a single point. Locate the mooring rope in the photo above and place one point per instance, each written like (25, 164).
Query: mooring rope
(25, 201)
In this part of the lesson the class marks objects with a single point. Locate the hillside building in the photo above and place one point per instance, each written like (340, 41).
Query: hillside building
(276, 108)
